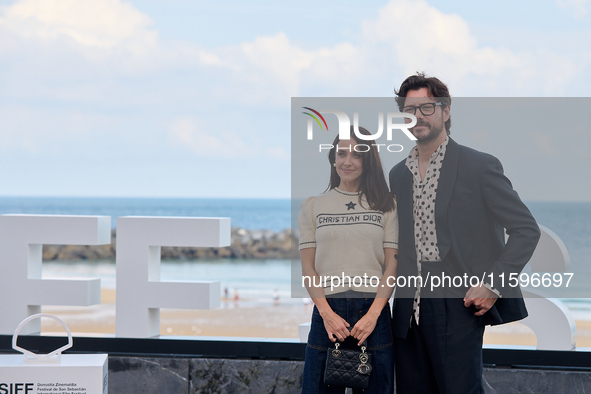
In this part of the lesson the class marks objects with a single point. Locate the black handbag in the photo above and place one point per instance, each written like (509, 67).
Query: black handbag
(348, 366)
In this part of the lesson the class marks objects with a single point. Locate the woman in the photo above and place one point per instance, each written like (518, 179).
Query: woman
(351, 231)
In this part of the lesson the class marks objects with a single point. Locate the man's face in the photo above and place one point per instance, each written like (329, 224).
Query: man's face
(428, 127)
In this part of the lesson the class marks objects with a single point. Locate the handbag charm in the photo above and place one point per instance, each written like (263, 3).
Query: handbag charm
(348, 367)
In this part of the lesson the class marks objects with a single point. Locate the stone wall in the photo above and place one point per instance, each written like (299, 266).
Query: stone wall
(197, 375)
(246, 244)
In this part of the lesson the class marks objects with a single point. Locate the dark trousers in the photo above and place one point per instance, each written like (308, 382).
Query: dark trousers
(443, 354)
(379, 345)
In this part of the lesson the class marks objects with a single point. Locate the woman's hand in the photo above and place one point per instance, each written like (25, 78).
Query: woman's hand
(367, 323)
(333, 323)
(364, 327)
(335, 326)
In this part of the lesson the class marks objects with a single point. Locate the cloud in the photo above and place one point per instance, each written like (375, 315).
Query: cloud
(108, 56)
(97, 37)
(194, 134)
(270, 69)
(404, 37)
(420, 37)
(278, 153)
(290, 64)
(117, 40)
(90, 39)
(200, 137)
(278, 58)
(416, 36)
(579, 7)
(98, 24)
(36, 130)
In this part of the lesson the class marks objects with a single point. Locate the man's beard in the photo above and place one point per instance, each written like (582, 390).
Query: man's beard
(431, 135)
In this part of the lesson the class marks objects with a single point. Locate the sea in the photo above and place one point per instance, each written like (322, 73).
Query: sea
(265, 280)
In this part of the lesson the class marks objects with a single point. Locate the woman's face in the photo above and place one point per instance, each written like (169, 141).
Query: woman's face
(349, 163)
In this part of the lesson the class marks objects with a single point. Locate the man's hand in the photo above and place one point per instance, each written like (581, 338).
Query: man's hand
(482, 298)
(335, 326)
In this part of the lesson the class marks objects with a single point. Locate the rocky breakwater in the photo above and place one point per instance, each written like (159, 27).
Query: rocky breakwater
(246, 244)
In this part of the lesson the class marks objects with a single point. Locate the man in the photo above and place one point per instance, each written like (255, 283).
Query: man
(453, 203)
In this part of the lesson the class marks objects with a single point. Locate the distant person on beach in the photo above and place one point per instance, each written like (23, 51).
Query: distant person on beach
(453, 203)
(350, 231)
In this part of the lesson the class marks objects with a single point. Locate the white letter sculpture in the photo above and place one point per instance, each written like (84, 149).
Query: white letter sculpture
(549, 318)
(22, 291)
(140, 293)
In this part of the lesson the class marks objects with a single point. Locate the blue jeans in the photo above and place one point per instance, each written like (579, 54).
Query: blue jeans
(379, 345)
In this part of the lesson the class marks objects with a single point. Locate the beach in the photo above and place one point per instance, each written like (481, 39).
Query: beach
(249, 318)
(242, 318)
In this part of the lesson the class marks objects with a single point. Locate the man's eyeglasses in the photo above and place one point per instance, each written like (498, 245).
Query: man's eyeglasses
(426, 109)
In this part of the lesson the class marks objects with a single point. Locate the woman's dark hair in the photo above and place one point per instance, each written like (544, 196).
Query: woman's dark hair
(436, 89)
(373, 183)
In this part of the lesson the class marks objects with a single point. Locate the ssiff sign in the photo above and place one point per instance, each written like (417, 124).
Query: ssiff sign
(76, 374)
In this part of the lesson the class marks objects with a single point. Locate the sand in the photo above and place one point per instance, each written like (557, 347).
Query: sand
(246, 318)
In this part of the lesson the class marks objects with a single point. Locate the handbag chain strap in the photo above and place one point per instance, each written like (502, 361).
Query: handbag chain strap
(363, 368)
(336, 352)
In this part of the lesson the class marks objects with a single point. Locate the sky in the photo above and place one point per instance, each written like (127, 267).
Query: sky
(180, 98)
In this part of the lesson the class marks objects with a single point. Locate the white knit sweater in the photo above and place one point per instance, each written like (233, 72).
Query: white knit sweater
(349, 239)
